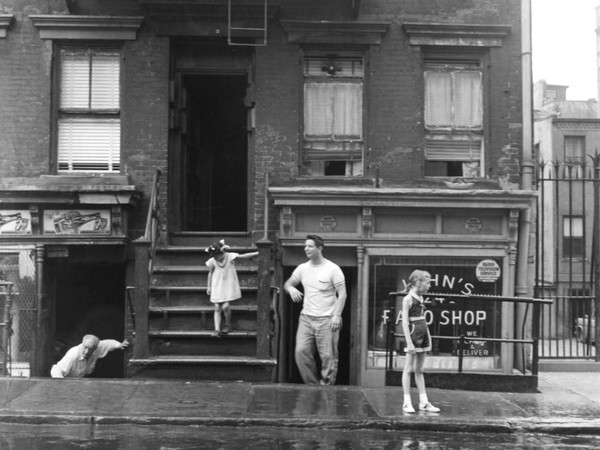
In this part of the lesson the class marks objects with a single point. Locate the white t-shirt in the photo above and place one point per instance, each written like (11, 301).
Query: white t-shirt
(319, 282)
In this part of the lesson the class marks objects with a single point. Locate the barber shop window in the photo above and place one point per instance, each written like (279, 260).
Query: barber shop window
(89, 122)
(332, 141)
(454, 141)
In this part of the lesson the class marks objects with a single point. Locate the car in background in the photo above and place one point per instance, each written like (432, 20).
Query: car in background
(585, 329)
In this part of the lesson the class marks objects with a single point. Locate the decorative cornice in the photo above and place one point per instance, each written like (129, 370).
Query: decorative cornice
(446, 34)
(401, 197)
(6, 21)
(325, 32)
(122, 28)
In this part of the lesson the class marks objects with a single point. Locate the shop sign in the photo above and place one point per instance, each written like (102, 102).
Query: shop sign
(473, 224)
(328, 223)
(69, 222)
(15, 221)
(487, 271)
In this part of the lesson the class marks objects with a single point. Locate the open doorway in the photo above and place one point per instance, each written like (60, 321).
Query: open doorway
(89, 299)
(214, 151)
(290, 313)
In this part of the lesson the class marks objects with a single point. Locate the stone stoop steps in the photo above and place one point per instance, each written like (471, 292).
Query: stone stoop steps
(181, 322)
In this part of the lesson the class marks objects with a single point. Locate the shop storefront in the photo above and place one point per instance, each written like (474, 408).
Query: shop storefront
(471, 242)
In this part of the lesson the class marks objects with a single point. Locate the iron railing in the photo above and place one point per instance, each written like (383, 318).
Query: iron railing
(566, 257)
(462, 338)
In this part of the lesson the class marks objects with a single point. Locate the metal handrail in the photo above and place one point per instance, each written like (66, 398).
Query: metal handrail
(462, 338)
(153, 219)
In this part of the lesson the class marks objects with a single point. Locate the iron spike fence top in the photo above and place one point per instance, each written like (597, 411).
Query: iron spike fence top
(485, 297)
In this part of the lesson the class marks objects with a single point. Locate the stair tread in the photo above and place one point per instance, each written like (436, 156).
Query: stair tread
(193, 268)
(159, 309)
(200, 333)
(198, 248)
(194, 288)
(158, 359)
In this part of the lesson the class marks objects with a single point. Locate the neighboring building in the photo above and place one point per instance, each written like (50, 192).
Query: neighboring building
(399, 131)
(567, 138)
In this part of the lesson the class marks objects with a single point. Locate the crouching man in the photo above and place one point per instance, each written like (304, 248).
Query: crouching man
(80, 360)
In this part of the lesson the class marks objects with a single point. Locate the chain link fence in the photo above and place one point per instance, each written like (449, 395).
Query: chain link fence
(18, 293)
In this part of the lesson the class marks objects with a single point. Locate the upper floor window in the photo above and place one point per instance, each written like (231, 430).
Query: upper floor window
(332, 141)
(575, 149)
(89, 122)
(453, 118)
(573, 237)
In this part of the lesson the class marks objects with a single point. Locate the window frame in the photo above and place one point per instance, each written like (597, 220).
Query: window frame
(314, 147)
(60, 113)
(573, 246)
(465, 139)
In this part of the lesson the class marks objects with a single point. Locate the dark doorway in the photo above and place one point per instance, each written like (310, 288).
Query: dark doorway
(215, 153)
(291, 312)
(89, 299)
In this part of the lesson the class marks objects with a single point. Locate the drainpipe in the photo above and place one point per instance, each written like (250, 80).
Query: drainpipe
(527, 105)
(527, 165)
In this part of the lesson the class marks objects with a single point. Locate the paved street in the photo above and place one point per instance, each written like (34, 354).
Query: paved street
(567, 403)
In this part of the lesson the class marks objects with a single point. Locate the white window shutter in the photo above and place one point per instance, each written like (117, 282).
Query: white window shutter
(75, 81)
(90, 145)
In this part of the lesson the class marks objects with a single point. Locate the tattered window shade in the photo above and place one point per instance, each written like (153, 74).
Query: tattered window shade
(89, 144)
(89, 126)
(453, 99)
(333, 111)
(333, 114)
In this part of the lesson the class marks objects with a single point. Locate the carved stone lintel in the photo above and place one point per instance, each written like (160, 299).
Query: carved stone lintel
(286, 220)
(35, 219)
(116, 220)
(367, 222)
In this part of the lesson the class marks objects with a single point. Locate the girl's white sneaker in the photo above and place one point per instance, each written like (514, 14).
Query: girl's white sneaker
(408, 409)
(428, 407)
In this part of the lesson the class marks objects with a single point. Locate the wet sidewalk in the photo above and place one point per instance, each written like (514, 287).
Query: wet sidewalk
(567, 403)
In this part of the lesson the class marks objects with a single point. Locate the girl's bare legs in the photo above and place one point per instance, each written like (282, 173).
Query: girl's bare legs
(424, 404)
(227, 313)
(217, 316)
(408, 369)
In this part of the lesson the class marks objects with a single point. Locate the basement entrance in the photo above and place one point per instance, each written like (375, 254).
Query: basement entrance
(213, 149)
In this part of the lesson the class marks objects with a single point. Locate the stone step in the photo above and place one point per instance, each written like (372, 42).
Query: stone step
(168, 310)
(201, 342)
(182, 255)
(243, 368)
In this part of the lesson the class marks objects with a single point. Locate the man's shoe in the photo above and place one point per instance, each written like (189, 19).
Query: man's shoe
(408, 409)
(216, 333)
(226, 329)
(428, 407)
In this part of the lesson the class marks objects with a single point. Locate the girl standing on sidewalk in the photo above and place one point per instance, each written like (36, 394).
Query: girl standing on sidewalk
(223, 285)
(418, 340)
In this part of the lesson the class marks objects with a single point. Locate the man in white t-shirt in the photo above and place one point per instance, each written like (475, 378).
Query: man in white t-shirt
(321, 317)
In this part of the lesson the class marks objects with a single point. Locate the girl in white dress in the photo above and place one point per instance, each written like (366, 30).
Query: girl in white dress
(223, 285)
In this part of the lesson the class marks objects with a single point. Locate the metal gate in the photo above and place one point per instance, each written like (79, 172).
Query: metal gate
(568, 198)
(18, 293)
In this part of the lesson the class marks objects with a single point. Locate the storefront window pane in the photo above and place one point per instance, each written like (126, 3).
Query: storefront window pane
(445, 317)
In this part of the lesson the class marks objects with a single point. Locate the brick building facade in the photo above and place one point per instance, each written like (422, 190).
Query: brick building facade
(394, 129)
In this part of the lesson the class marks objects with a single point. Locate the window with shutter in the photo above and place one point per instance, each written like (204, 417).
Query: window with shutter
(453, 118)
(573, 237)
(89, 122)
(333, 115)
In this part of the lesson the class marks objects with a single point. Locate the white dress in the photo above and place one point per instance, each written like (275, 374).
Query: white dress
(224, 286)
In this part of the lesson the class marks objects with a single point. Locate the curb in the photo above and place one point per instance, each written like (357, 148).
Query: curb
(392, 424)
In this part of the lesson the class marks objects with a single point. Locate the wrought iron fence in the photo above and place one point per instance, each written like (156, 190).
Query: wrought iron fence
(565, 257)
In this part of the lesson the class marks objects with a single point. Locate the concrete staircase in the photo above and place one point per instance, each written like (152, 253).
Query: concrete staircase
(180, 322)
